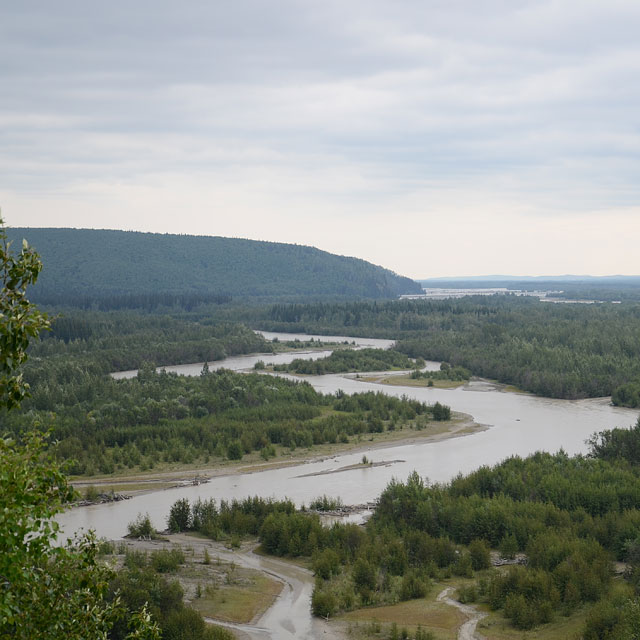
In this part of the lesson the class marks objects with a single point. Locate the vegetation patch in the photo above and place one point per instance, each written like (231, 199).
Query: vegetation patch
(245, 595)
(560, 351)
(408, 381)
(352, 360)
(427, 613)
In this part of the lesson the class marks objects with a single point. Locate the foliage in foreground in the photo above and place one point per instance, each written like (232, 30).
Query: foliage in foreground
(47, 591)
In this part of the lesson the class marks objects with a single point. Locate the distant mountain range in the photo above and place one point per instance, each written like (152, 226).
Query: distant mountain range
(93, 263)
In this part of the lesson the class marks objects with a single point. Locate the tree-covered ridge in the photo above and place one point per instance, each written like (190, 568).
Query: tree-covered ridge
(561, 351)
(97, 264)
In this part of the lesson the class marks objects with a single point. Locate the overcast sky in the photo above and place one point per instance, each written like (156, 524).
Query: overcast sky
(432, 137)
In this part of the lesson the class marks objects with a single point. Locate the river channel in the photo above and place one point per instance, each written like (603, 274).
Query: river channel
(516, 424)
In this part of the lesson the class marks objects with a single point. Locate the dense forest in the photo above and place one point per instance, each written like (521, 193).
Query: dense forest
(103, 425)
(565, 519)
(560, 351)
(569, 518)
(100, 342)
(126, 269)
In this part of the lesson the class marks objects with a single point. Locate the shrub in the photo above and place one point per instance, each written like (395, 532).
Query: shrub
(141, 527)
(480, 555)
(235, 450)
(135, 559)
(167, 560)
(323, 603)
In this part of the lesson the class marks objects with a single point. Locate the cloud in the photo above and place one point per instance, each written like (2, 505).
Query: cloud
(284, 115)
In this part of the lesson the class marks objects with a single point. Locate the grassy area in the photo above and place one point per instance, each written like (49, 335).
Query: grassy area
(444, 620)
(244, 595)
(217, 589)
(434, 616)
(497, 627)
(431, 615)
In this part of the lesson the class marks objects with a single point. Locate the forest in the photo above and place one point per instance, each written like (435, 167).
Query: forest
(553, 350)
(562, 520)
(103, 425)
(119, 268)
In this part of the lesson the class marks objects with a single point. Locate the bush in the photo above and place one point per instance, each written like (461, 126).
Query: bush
(323, 603)
(141, 527)
(167, 560)
(235, 450)
(480, 555)
(467, 594)
(441, 412)
(413, 586)
(326, 563)
(325, 503)
(134, 559)
(509, 547)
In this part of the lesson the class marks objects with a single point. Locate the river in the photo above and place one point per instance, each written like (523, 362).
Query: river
(517, 424)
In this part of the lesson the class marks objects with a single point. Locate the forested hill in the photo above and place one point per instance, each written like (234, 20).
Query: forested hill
(101, 263)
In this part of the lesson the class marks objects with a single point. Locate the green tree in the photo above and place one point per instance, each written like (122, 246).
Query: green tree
(179, 516)
(20, 321)
(47, 591)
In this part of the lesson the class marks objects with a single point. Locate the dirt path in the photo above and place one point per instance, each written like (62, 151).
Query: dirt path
(289, 617)
(468, 630)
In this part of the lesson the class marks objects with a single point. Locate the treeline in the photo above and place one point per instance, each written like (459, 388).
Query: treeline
(238, 517)
(621, 446)
(351, 360)
(116, 341)
(555, 350)
(103, 425)
(155, 301)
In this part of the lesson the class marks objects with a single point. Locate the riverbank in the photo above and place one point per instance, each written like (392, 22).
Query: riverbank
(460, 425)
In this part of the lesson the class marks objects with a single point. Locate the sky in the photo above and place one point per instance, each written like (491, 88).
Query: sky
(435, 138)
